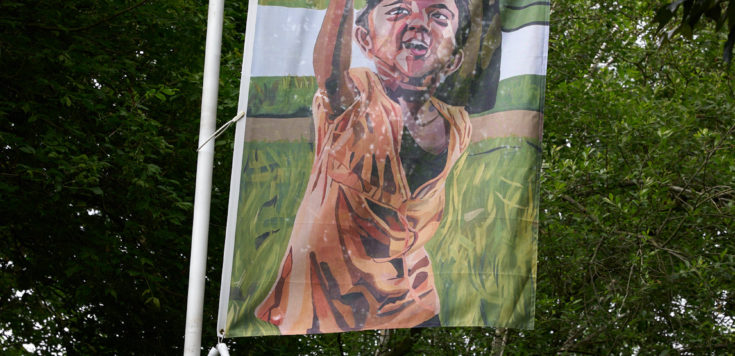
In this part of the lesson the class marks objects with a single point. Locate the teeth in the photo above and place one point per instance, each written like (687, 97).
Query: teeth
(415, 44)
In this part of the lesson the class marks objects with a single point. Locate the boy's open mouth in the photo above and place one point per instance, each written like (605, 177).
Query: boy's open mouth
(417, 47)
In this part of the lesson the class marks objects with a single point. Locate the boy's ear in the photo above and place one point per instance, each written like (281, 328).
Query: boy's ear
(455, 63)
(362, 37)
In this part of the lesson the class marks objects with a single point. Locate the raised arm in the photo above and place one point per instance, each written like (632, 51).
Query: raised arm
(332, 54)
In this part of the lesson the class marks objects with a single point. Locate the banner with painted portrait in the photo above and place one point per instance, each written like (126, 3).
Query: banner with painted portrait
(387, 172)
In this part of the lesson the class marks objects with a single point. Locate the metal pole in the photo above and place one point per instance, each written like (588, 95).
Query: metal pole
(203, 192)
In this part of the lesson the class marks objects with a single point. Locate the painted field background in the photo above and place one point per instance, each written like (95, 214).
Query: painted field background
(484, 253)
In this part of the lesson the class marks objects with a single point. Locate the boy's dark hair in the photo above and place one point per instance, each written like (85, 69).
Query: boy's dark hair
(463, 28)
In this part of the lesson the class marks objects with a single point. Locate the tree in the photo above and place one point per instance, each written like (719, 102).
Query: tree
(637, 223)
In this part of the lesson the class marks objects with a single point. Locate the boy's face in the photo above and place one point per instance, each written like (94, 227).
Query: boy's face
(413, 37)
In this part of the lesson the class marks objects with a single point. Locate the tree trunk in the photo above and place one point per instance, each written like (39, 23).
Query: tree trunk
(383, 340)
(391, 344)
(498, 347)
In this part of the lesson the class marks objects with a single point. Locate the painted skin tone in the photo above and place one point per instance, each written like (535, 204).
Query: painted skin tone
(411, 42)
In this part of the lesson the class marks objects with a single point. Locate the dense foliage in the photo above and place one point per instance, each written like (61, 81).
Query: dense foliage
(99, 107)
(98, 123)
(720, 12)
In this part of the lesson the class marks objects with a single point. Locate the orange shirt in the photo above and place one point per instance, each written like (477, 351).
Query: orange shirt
(356, 259)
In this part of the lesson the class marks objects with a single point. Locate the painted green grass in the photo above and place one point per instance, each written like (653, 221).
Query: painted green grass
(274, 177)
(483, 255)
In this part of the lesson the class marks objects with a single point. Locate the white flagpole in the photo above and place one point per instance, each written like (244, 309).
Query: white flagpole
(203, 192)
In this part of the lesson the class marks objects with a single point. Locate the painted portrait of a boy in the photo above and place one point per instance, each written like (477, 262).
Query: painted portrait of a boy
(383, 184)
(384, 147)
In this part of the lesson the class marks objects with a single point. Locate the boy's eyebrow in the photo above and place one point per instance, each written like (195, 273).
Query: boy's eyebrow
(441, 6)
(393, 3)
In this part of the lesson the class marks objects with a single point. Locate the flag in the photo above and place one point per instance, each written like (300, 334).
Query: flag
(387, 172)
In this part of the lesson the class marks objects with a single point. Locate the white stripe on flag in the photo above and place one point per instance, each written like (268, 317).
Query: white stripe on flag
(524, 51)
(285, 39)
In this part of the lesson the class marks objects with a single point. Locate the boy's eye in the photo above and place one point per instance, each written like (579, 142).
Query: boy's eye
(397, 12)
(439, 16)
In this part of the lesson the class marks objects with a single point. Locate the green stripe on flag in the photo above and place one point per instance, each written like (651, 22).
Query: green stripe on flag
(322, 4)
(281, 96)
(512, 19)
(291, 96)
(523, 92)
(523, 3)
(305, 4)
(515, 13)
